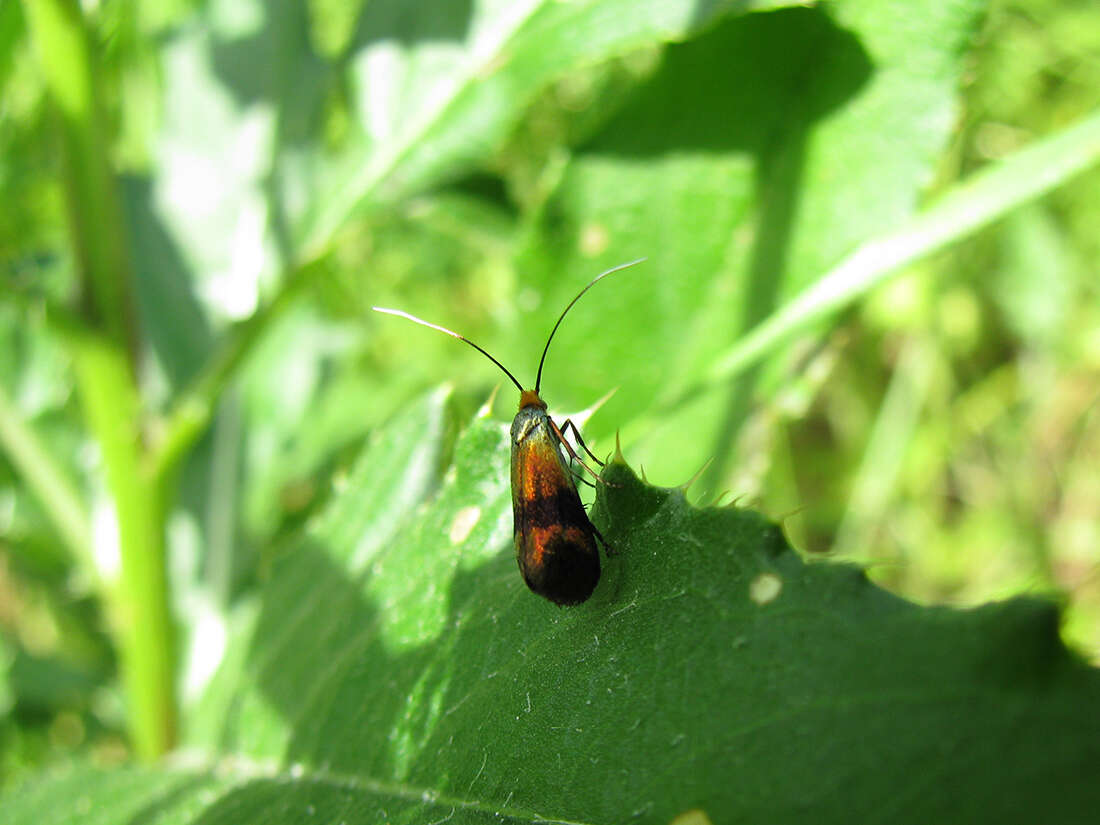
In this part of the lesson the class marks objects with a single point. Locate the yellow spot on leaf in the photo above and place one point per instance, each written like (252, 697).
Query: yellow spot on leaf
(765, 588)
(692, 817)
(464, 521)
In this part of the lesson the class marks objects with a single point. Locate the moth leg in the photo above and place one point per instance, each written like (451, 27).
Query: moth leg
(607, 548)
(580, 478)
(569, 425)
(569, 447)
(573, 456)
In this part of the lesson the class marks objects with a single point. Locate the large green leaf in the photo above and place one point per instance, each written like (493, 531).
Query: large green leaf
(758, 155)
(410, 677)
(275, 132)
(437, 90)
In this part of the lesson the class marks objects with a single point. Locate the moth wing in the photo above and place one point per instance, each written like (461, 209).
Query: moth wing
(555, 541)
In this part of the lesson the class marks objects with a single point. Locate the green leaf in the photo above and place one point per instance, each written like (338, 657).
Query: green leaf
(288, 154)
(436, 92)
(758, 155)
(410, 677)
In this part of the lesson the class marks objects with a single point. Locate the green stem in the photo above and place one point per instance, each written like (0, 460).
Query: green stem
(64, 52)
(142, 619)
(105, 371)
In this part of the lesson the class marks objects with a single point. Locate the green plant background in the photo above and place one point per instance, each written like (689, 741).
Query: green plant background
(854, 316)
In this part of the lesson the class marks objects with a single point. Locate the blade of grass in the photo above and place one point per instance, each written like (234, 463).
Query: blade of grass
(891, 435)
(47, 479)
(966, 208)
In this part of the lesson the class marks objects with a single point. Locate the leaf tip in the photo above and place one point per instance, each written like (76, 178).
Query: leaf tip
(599, 402)
(486, 409)
(687, 484)
(618, 458)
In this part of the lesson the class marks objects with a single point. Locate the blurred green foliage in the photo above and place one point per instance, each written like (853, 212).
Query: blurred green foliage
(282, 167)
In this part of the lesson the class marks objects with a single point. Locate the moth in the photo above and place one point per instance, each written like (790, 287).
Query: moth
(555, 540)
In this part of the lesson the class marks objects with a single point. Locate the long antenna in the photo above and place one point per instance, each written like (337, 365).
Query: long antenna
(453, 334)
(600, 277)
